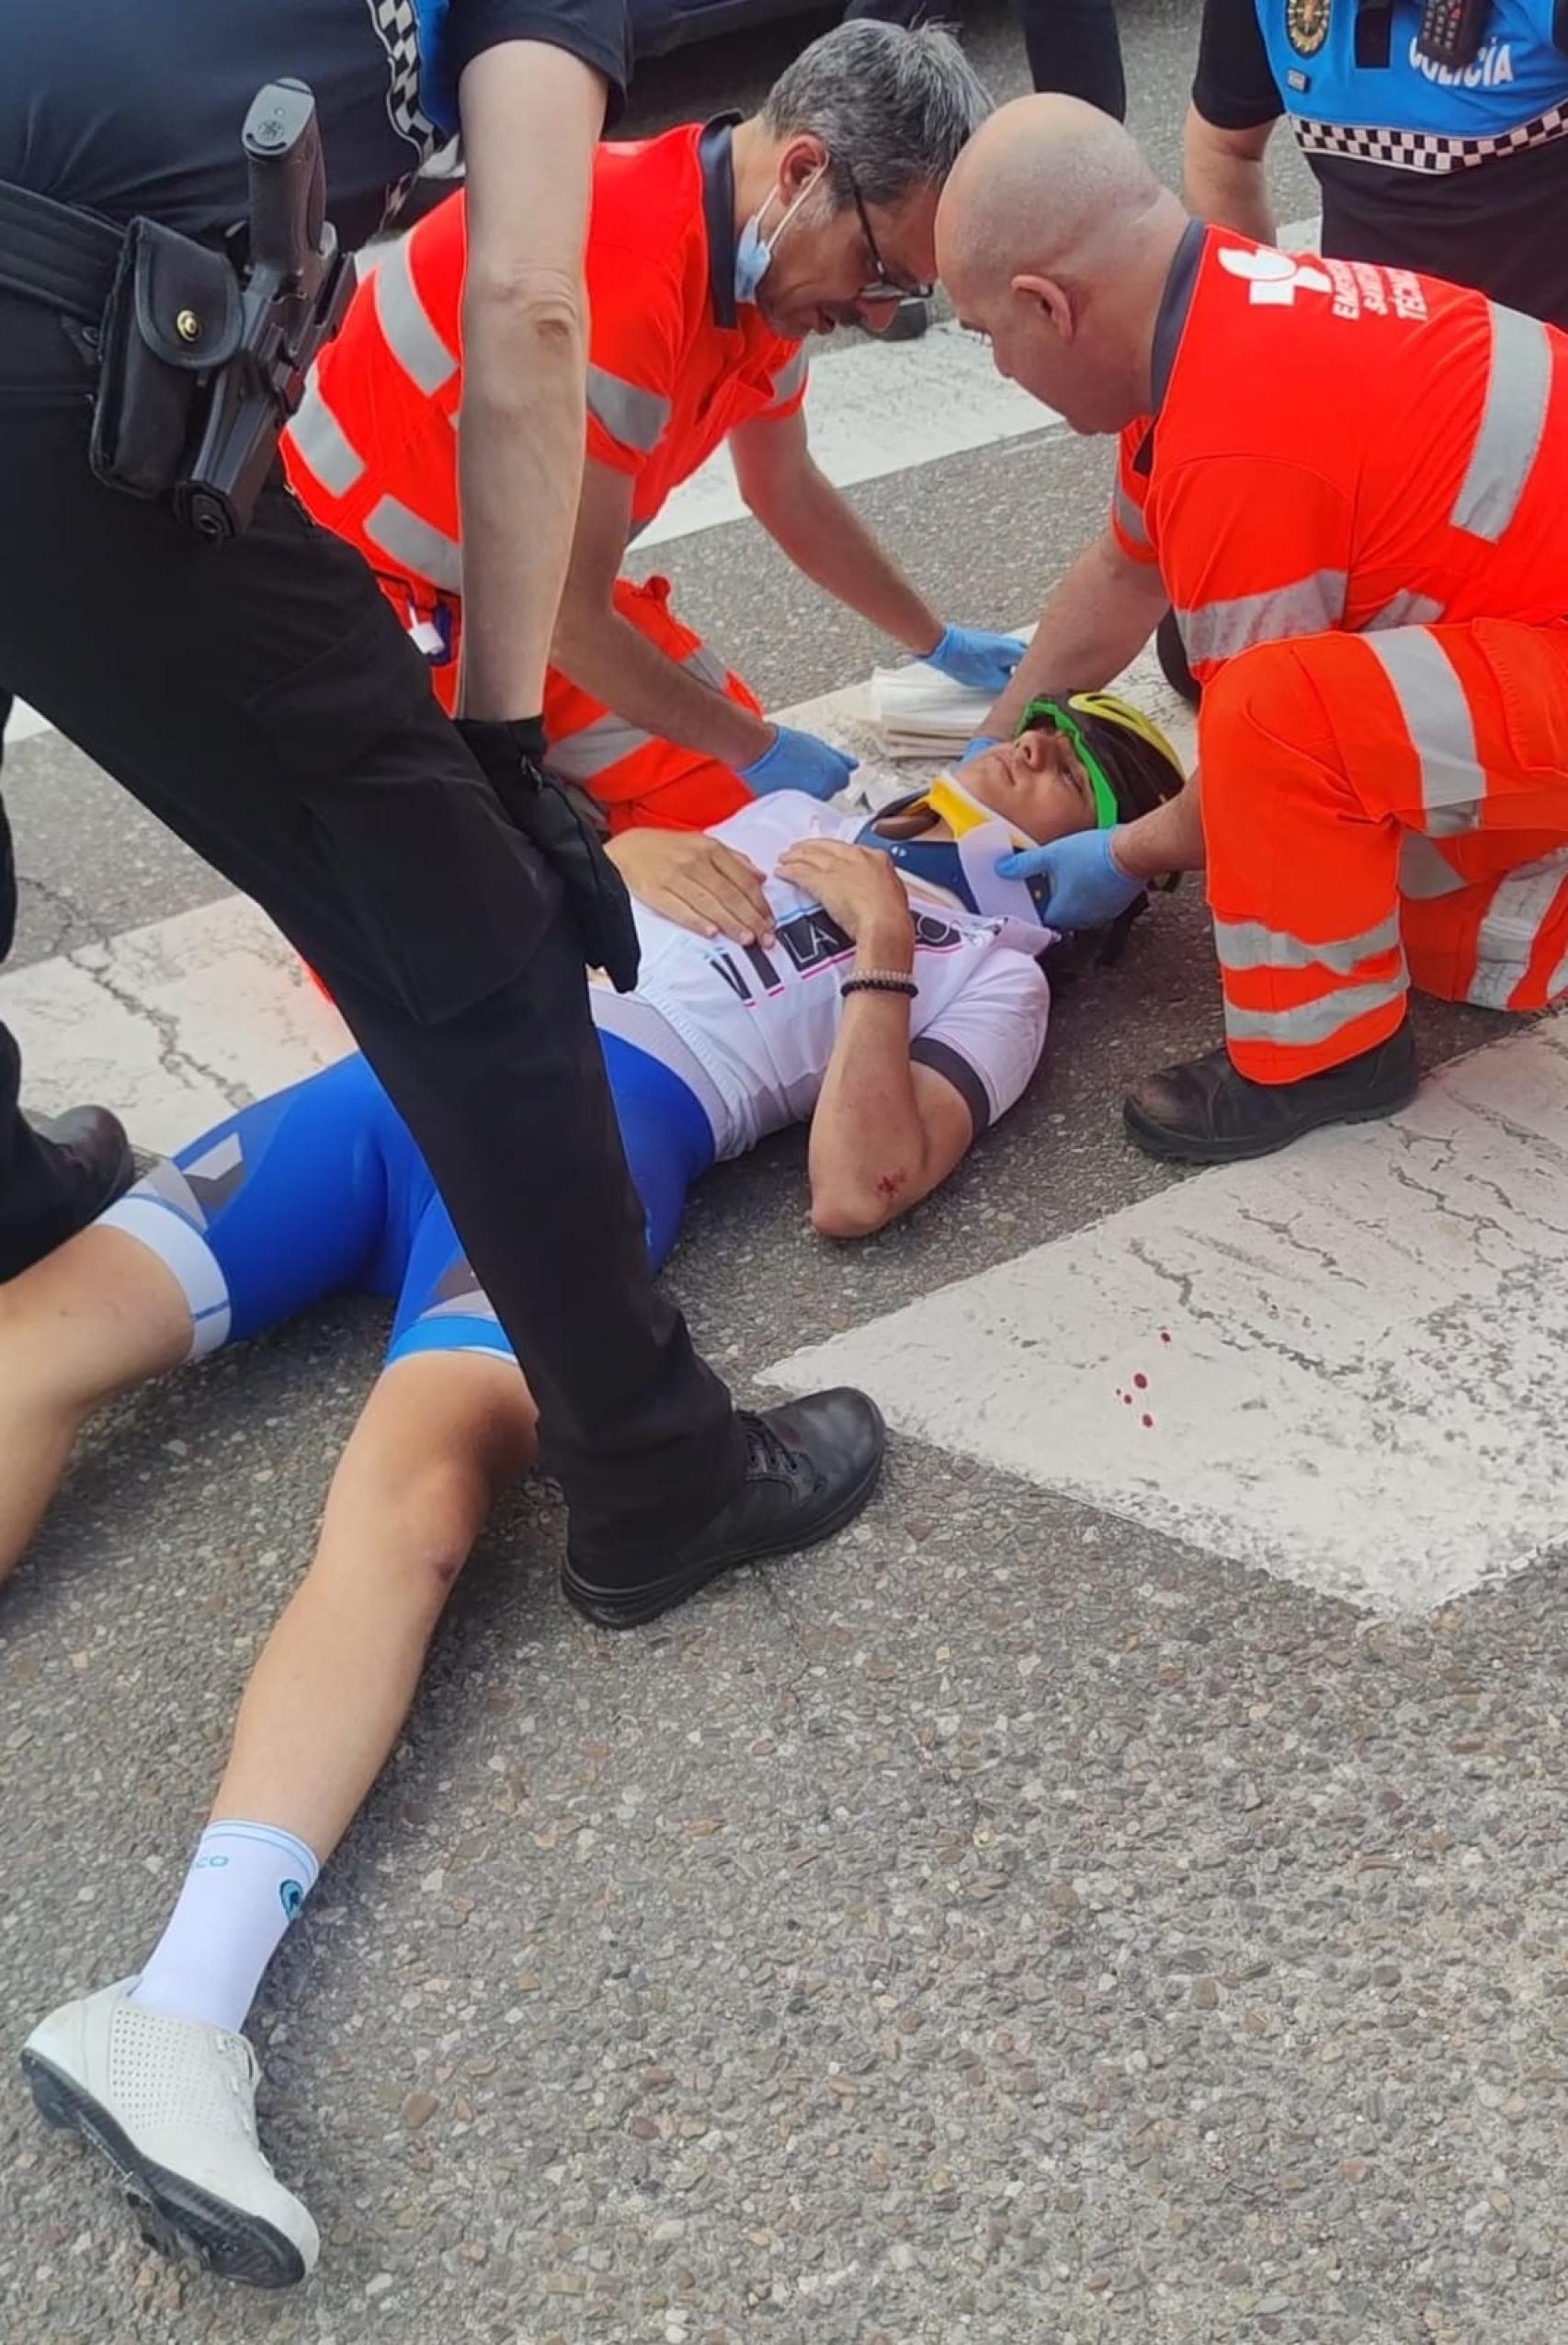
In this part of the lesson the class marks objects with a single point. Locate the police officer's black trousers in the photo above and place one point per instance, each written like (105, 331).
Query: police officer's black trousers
(261, 699)
(1074, 46)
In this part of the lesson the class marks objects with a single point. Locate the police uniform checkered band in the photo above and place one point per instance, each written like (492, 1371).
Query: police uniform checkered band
(397, 22)
(1426, 149)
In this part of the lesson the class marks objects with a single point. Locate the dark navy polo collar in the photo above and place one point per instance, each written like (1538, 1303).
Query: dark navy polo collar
(715, 154)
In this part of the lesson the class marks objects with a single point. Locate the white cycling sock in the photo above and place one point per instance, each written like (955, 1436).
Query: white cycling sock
(245, 1885)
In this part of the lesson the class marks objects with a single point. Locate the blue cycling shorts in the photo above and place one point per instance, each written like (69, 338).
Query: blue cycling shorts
(320, 1190)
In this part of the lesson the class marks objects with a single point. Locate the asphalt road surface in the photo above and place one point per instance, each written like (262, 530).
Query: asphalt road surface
(1115, 1892)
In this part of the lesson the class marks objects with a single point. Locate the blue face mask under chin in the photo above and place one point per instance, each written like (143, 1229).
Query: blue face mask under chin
(752, 257)
(753, 251)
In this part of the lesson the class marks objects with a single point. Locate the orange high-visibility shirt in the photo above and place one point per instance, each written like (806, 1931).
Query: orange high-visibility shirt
(1336, 445)
(675, 364)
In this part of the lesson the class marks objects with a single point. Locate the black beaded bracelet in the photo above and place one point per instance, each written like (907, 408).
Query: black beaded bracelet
(879, 981)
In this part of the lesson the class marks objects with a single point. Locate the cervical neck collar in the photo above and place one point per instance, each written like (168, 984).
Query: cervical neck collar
(964, 866)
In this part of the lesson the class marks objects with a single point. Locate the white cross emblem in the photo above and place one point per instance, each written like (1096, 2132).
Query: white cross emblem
(1272, 277)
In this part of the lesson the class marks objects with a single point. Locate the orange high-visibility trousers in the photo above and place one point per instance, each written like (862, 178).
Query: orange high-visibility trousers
(1382, 807)
(639, 780)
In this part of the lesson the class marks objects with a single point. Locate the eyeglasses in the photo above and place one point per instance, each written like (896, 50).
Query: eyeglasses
(882, 287)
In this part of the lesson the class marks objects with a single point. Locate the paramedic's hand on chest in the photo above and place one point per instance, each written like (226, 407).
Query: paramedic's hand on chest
(697, 882)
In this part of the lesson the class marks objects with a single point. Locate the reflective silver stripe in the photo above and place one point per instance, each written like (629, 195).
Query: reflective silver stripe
(1519, 388)
(637, 418)
(1306, 606)
(1522, 902)
(1130, 516)
(1248, 944)
(581, 757)
(787, 381)
(412, 339)
(1311, 1021)
(1405, 610)
(1437, 718)
(415, 546)
(1451, 822)
(324, 445)
(1423, 872)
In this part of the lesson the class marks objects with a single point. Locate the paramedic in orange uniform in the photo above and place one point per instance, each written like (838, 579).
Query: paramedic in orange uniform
(712, 253)
(1352, 484)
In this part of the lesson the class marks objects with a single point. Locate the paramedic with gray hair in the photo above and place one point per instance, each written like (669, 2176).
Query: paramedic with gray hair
(713, 252)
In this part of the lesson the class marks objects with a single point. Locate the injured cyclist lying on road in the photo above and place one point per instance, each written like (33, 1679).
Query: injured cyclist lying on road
(876, 978)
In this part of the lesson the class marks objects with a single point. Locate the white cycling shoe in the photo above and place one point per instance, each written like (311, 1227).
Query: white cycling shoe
(171, 2103)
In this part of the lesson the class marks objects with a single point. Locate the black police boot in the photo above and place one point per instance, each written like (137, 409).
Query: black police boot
(1206, 1113)
(810, 1468)
(80, 1162)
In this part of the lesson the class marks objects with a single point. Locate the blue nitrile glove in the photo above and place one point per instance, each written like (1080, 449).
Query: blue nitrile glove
(799, 761)
(978, 747)
(1088, 887)
(974, 656)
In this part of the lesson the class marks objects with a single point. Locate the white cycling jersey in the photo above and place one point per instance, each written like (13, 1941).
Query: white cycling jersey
(752, 1030)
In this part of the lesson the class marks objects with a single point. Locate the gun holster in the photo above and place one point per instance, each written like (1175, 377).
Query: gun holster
(199, 366)
(174, 317)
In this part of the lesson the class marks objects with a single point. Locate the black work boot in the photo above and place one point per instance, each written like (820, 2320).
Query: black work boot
(1206, 1113)
(810, 1468)
(76, 1165)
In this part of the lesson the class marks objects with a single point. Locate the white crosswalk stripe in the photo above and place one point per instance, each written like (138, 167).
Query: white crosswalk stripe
(1341, 1365)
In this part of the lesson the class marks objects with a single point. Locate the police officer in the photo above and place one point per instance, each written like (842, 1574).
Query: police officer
(259, 696)
(1438, 130)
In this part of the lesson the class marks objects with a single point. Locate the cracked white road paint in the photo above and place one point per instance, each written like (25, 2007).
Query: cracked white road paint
(175, 1024)
(1343, 1365)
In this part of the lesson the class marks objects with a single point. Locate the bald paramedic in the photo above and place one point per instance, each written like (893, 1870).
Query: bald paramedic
(1352, 484)
(713, 253)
